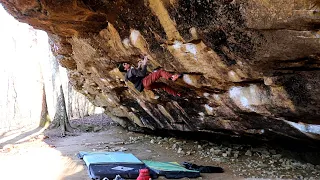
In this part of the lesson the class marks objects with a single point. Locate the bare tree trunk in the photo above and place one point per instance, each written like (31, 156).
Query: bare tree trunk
(61, 119)
(44, 117)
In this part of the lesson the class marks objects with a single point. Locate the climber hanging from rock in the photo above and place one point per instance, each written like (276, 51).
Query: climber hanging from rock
(141, 80)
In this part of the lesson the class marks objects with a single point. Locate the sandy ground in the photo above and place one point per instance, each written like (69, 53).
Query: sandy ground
(55, 158)
(52, 157)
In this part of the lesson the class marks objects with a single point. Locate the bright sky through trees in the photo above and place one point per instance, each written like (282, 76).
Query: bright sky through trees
(22, 50)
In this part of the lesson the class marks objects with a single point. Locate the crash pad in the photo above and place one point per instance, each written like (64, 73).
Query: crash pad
(110, 164)
(171, 170)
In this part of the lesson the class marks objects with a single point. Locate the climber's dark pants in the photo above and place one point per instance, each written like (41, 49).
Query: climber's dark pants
(149, 82)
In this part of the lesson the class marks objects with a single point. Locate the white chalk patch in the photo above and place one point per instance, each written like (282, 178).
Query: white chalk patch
(208, 108)
(187, 79)
(235, 92)
(216, 97)
(233, 76)
(231, 73)
(177, 44)
(126, 42)
(98, 110)
(110, 100)
(313, 128)
(244, 102)
(103, 80)
(206, 94)
(201, 113)
(193, 32)
(134, 36)
(191, 48)
(305, 128)
(253, 89)
(238, 95)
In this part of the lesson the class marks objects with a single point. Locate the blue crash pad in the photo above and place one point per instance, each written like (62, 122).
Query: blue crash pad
(110, 164)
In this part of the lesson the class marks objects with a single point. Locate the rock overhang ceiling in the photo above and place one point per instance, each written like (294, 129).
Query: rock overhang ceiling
(250, 67)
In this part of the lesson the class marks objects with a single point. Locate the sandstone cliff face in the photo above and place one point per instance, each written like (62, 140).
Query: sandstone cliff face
(250, 67)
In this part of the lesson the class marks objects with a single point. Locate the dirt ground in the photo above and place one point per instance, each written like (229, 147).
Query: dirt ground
(32, 155)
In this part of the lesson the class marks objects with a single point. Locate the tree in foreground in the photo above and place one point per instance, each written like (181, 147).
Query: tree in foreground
(61, 119)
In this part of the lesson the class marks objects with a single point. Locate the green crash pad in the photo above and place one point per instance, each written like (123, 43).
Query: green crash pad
(171, 170)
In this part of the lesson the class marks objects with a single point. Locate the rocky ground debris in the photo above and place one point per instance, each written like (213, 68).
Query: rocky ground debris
(239, 160)
(244, 160)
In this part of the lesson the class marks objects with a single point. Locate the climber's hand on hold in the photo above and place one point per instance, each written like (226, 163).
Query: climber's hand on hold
(145, 60)
(140, 64)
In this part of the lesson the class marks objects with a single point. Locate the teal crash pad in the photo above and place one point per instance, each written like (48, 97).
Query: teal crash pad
(171, 170)
(108, 158)
(110, 164)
